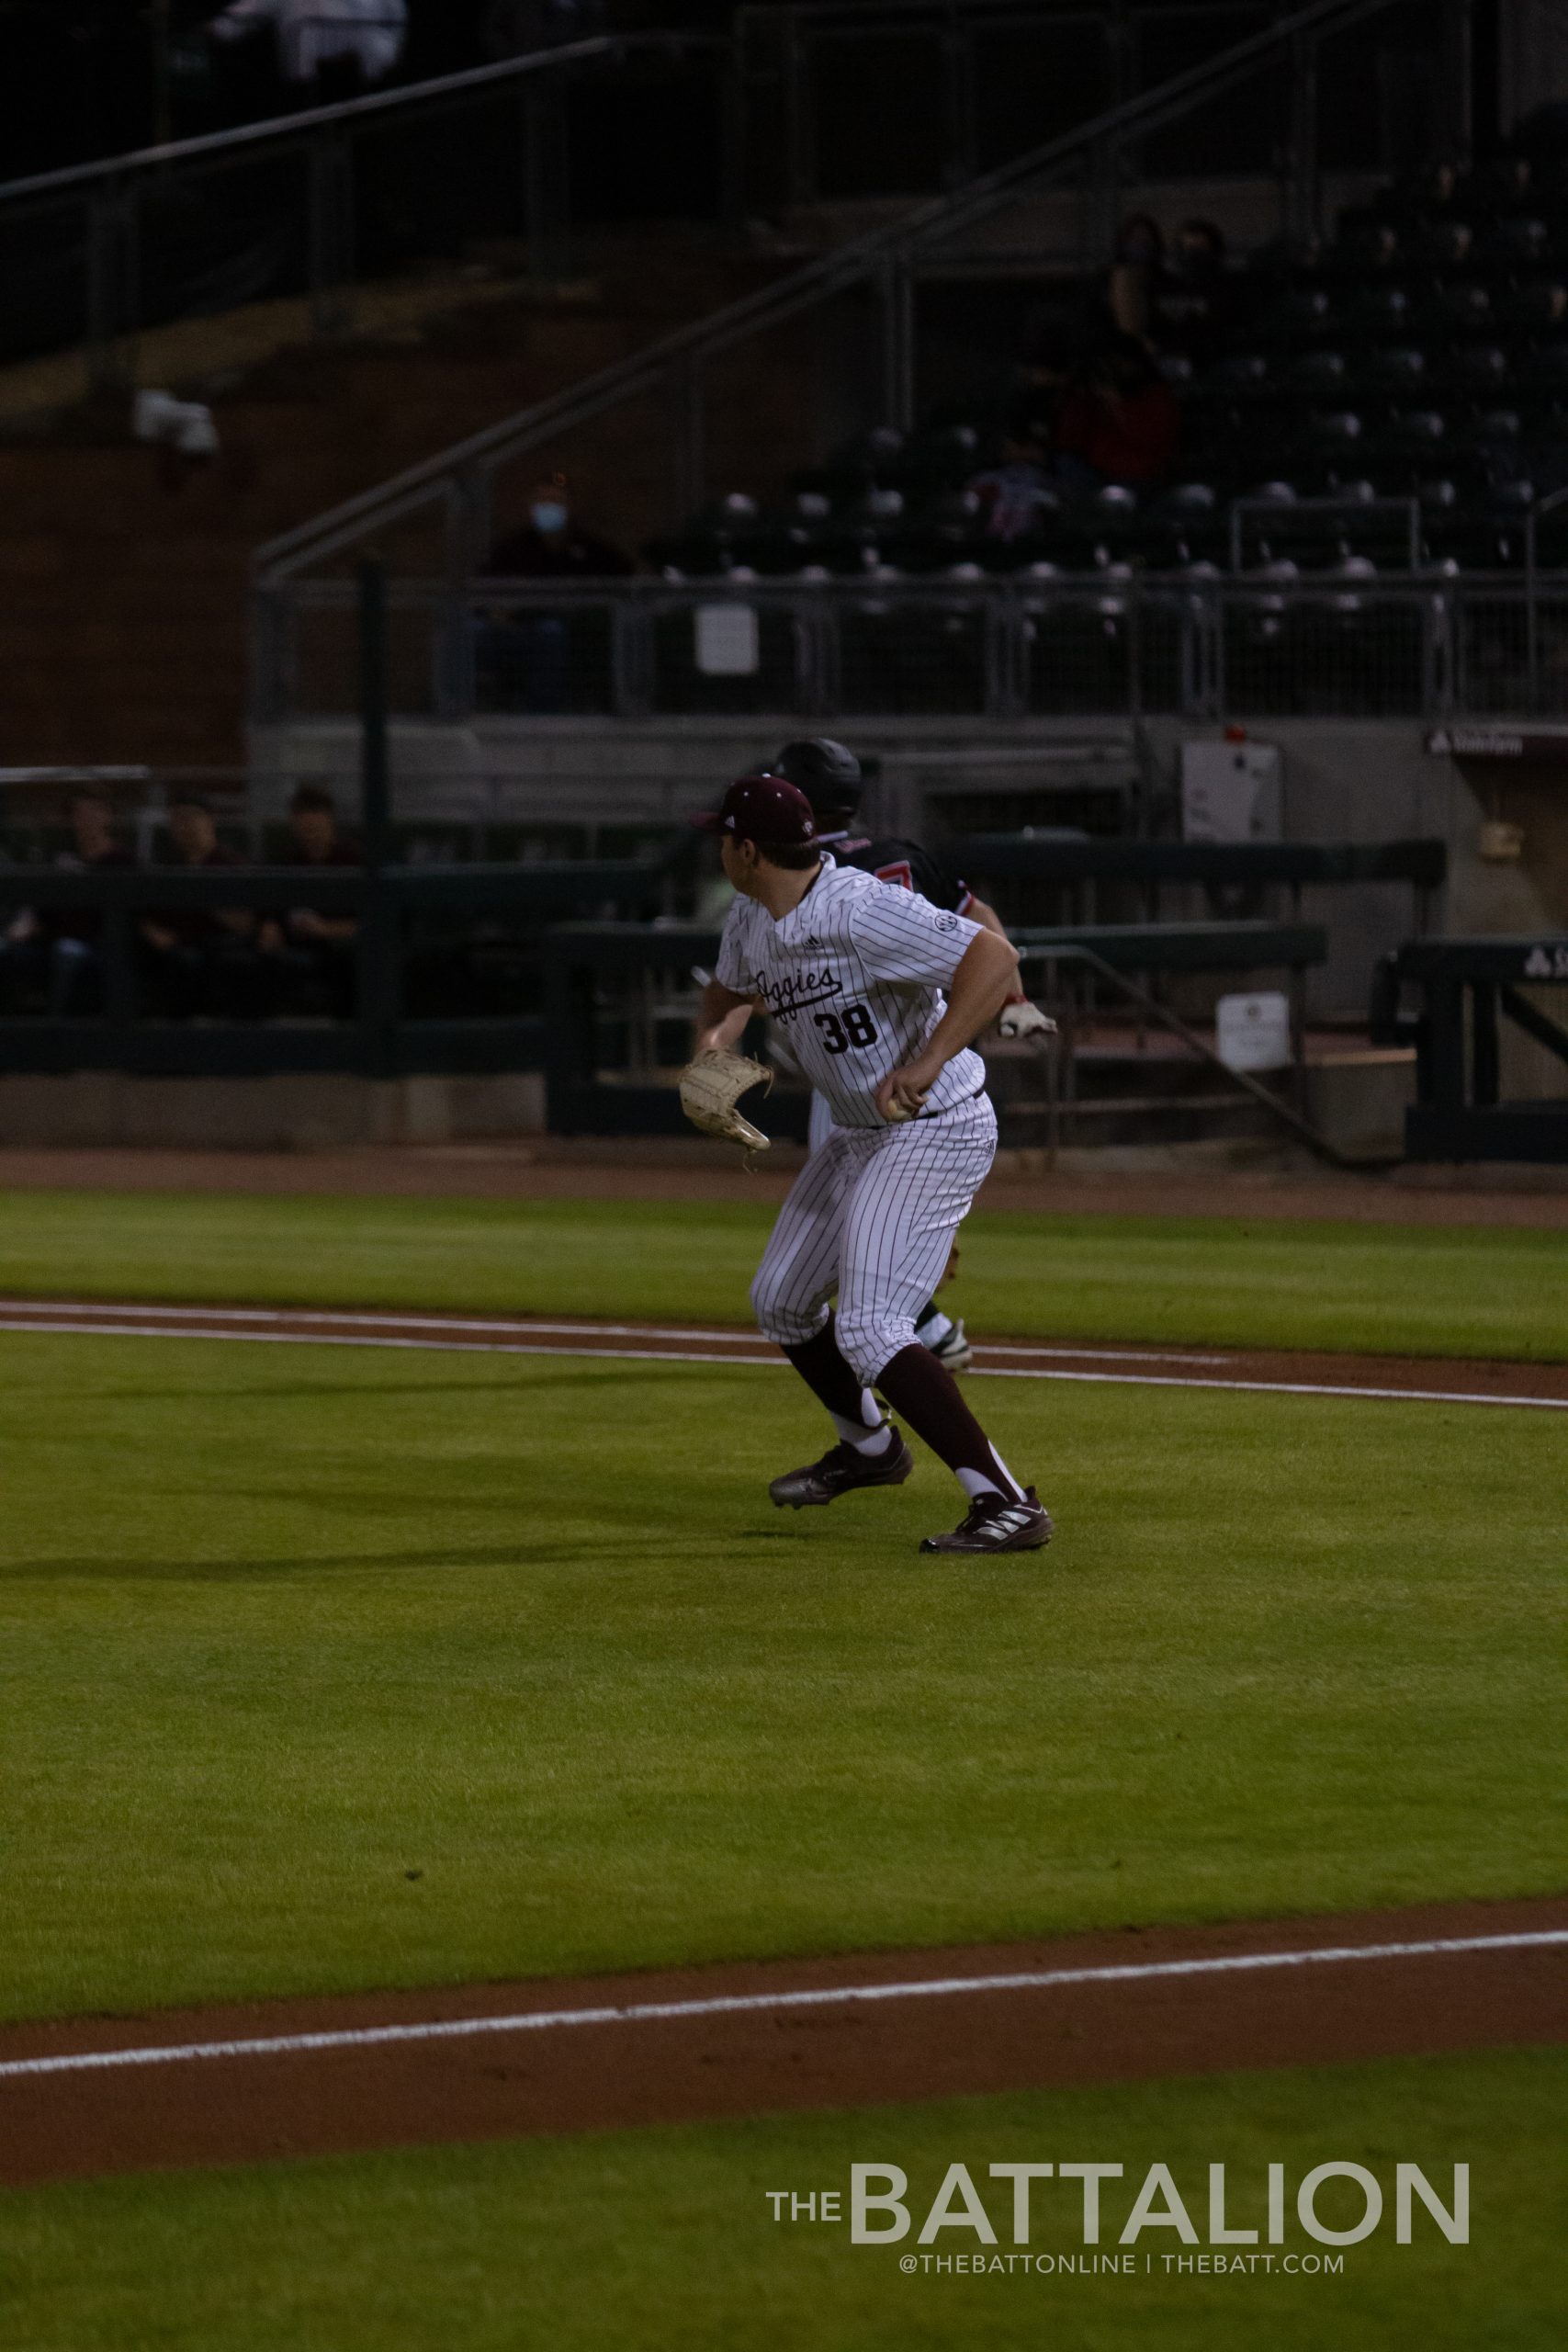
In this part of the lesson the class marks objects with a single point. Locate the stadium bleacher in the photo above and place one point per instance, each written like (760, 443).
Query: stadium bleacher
(1420, 354)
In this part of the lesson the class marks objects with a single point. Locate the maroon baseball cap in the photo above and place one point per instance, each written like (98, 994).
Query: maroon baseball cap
(767, 809)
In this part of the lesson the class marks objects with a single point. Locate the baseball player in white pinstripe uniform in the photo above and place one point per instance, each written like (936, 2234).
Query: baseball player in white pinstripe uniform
(881, 995)
(830, 776)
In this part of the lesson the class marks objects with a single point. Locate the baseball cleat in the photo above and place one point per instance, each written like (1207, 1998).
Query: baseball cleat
(998, 1523)
(840, 1472)
(954, 1349)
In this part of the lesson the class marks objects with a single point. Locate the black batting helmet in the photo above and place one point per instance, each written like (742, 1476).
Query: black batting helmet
(828, 773)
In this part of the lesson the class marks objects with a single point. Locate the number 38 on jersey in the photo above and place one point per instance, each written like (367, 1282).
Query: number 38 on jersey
(854, 1026)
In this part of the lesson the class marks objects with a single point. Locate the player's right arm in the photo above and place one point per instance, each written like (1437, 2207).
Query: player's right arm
(986, 972)
(919, 871)
(722, 1016)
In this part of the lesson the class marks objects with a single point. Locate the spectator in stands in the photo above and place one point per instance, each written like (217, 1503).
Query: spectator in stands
(552, 546)
(310, 954)
(1194, 304)
(1370, 252)
(1136, 278)
(1511, 191)
(1121, 422)
(327, 50)
(523, 654)
(199, 960)
(1015, 494)
(1432, 198)
(53, 952)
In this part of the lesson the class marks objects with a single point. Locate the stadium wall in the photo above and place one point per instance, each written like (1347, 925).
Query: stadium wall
(1353, 780)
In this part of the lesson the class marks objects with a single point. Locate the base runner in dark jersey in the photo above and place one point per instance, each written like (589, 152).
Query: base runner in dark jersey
(832, 780)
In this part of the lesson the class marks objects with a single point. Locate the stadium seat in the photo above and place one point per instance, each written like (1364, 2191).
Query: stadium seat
(1242, 372)
(1320, 375)
(1376, 315)
(1297, 317)
(1369, 252)
(867, 458)
(942, 458)
(1422, 353)
(1538, 308)
(1546, 368)
(1441, 244)
(1456, 310)
(1479, 371)
(1514, 245)
(1394, 371)
(1329, 442)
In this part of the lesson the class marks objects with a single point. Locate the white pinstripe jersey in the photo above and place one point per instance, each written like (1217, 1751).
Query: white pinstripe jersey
(854, 974)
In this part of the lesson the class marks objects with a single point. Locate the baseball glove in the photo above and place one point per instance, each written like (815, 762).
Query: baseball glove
(712, 1085)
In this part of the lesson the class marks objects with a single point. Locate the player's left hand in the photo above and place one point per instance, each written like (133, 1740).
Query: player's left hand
(1024, 1020)
(902, 1093)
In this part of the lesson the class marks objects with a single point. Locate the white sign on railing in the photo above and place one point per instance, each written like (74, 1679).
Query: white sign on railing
(727, 641)
(1254, 1032)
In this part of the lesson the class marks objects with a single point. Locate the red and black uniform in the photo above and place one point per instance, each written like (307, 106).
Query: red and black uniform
(907, 863)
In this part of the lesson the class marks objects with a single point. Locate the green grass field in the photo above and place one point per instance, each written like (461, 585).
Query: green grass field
(1420, 1290)
(663, 2241)
(280, 1626)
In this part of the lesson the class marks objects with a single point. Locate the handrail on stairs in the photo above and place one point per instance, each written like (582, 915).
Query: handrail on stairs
(406, 97)
(110, 191)
(1149, 1008)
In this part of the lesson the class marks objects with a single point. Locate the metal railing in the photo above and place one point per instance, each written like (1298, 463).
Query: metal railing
(1060, 963)
(229, 1021)
(1346, 509)
(458, 482)
(298, 194)
(1103, 643)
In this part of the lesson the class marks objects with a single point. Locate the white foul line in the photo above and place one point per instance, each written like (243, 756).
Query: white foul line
(375, 1322)
(286, 2045)
(1278, 1388)
(343, 1340)
(517, 1326)
(683, 1355)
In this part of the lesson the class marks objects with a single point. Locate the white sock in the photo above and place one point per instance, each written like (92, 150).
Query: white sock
(869, 1441)
(934, 1329)
(975, 1482)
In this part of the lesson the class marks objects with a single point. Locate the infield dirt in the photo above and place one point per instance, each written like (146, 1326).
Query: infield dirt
(544, 2071)
(699, 1172)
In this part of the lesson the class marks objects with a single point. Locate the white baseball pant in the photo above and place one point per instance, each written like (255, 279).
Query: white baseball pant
(871, 1217)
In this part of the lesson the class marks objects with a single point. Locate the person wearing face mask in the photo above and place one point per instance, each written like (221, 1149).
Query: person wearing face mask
(553, 545)
(523, 654)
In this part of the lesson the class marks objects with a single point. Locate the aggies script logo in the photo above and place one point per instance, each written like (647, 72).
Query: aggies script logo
(791, 995)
